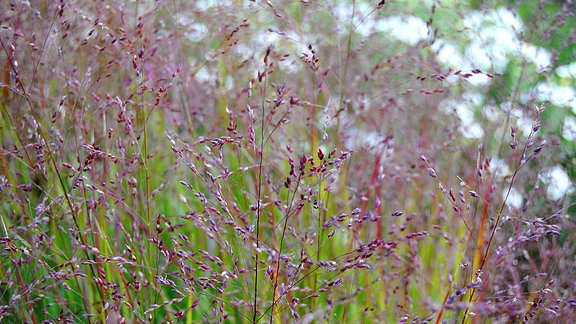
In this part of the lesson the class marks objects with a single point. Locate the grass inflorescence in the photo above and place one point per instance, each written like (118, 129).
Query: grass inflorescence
(251, 162)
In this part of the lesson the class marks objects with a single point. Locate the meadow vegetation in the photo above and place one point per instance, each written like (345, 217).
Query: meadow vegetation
(282, 162)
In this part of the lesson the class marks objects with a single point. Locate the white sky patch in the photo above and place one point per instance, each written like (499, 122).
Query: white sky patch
(499, 168)
(494, 36)
(354, 141)
(515, 199)
(557, 95)
(566, 71)
(569, 128)
(492, 113)
(204, 76)
(203, 4)
(296, 38)
(290, 66)
(197, 32)
(243, 51)
(523, 123)
(502, 16)
(371, 139)
(267, 37)
(473, 98)
(344, 12)
(506, 106)
(558, 183)
(469, 127)
(229, 83)
(472, 130)
(408, 29)
(509, 18)
(250, 4)
(492, 45)
(537, 55)
(482, 55)
(297, 46)
(208, 4)
(365, 27)
(449, 55)
(479, 80)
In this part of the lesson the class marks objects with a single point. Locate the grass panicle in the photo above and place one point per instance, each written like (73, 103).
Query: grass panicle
(281, 162)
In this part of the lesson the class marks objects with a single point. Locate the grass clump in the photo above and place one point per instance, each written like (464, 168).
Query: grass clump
(172, 161)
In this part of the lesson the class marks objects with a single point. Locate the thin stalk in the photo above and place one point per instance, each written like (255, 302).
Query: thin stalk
(345, 72)
(519, 166)
(60, 179)
(288, 212)
(259, 189)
